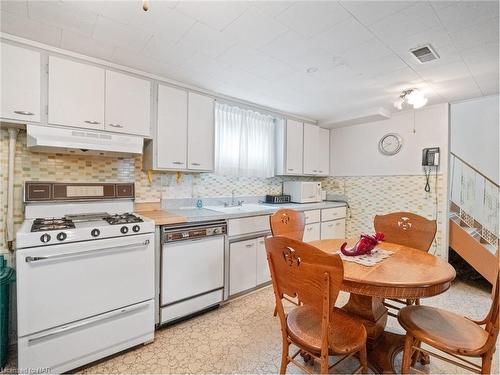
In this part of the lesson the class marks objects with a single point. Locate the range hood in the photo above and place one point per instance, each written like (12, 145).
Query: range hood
(81, 141)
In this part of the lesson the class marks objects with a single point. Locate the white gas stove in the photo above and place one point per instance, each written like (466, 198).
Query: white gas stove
(85, 275)
(80, 227)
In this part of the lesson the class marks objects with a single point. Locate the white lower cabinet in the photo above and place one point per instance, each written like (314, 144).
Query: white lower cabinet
(311, 232)
(333, 229)
(263, 272)
(247, 265)
(242, 270)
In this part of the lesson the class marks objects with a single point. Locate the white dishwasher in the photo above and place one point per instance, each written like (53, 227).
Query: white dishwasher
(192, 268)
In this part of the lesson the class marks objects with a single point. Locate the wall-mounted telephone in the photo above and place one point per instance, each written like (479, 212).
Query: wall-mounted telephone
(430, 157)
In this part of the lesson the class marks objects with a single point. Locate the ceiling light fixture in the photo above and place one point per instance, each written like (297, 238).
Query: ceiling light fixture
(413, 97)
(145, 5)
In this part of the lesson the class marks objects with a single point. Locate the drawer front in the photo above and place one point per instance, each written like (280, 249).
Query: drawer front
(247, 225)
(333, 213)
(312, 232)
(76, 344)
(190, 306)
(312, 216)
(242, 266)
(333, 229)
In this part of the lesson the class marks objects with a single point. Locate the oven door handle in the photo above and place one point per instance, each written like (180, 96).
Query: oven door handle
(31, 259)
(71, 327)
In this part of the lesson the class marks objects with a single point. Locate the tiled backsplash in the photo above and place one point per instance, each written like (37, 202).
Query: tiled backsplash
(367, 196)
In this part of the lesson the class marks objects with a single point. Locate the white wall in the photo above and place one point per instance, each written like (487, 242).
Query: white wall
(355, 148)
(474, 133)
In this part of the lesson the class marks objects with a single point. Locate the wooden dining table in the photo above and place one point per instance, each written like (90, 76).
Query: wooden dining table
(407, 274)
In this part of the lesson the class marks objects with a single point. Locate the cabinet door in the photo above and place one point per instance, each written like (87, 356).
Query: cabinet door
(128, 105)
(333, 229)
(263, 273)
(311, 232)
(20, 84)
(242, 270)
(171, 140)
(311, 152)
(324, 152)
(294, 147)
(76, 94)
(201, 129)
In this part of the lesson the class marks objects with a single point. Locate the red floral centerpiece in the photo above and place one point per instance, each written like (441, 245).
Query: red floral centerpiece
(365, 244)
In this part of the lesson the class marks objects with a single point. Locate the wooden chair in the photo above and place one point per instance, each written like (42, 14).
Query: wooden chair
(291, 224)
(408, 229)
(316, 327)
(452, 334)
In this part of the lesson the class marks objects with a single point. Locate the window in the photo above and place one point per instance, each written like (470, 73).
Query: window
(244, 142)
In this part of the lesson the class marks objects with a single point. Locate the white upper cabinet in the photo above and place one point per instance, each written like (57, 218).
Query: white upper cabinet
(171, 135)
(20, 98)
(128, 104)
(324, 152)
(311, 152)
(76, 94)
(201, 128)
(294, 152)
(316, 150)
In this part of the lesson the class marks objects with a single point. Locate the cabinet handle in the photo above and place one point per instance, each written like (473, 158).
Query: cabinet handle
(314, 170)
(309, 229)
(116, 125)
(92, 122)
(249, 245)
(195, 164)
(291, 169)
(330, 225)
(24, 113)
(320, 171)
(177, 162)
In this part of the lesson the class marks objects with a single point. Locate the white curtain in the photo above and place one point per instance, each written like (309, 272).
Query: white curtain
(244, 142)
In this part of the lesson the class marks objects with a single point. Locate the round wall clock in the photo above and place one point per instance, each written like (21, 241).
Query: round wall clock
(390, 144)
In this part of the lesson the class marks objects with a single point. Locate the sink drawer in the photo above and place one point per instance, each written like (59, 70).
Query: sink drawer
(246, 225)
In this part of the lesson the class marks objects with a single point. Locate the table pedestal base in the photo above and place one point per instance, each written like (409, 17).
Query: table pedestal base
(382, 346)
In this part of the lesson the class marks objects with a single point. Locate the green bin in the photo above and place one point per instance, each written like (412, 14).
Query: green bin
(7, 276)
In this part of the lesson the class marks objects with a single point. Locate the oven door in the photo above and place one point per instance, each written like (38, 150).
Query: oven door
(191, 268)
(64, 283)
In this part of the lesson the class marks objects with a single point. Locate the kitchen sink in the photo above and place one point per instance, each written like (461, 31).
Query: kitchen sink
(251, 207)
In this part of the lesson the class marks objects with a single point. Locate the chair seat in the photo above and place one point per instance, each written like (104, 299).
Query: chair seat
(443, 330)
(346, 334)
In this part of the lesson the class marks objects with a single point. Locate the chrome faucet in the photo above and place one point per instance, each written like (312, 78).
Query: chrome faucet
(233, 203)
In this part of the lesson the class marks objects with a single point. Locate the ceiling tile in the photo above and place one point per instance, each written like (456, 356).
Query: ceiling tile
(167, 51)
(483, 62)
(485, 32)
(122, 11)
(85, 45)
(19, 7)
(216, 14)
(463, 14)
(205, 39)
(366, 52)
(445, 72)
(271, 69)
(63, 15)
(119, 34)
(343, 36)
(127, 57)
(254, 29)
(369, 12)
(26, 28)
(271, 8)
(457, 89)
(407, 22)
(164, 22)
(310, 18)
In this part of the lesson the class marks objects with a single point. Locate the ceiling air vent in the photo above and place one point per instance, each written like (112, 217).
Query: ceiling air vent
(425, 54)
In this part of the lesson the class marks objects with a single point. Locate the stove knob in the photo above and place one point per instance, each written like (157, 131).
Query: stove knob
(124, 230)
(61, 236)
(45, 238)
(95, 232)
(136, 228)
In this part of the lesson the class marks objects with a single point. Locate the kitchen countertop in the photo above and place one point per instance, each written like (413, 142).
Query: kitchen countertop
(154, 212)
(193, 215)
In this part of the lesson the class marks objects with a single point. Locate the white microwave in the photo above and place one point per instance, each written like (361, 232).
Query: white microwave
(303, 191)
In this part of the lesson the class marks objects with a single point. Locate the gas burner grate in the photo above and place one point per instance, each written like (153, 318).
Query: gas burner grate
(126, 218)
(51, 224)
